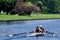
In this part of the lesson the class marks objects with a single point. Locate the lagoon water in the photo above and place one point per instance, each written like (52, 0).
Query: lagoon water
(16, 27)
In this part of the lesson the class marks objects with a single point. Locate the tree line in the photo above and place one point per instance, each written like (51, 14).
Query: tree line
(26, 7)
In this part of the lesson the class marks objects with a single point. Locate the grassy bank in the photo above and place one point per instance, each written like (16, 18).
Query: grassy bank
(33, 16)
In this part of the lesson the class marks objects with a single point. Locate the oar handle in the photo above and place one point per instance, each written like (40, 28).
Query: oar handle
(49, 32)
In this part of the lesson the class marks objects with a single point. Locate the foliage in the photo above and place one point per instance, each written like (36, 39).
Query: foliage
(46, 6)
(25, 9)
(52, 7)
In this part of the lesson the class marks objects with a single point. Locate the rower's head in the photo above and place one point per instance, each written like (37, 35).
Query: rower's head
(41, 26)
(37, 27)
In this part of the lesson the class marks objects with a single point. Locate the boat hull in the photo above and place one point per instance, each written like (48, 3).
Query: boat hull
(35, 34)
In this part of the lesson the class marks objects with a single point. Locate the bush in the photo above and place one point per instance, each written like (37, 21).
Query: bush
(36, 9)
(24, 9)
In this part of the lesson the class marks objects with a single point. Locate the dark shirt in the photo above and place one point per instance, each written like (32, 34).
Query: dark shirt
(37, 30)
(42, 30)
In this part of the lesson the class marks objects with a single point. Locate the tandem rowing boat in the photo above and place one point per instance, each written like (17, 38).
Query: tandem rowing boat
(33, 34)
(36, 34)
(29, 34)
(40, 34)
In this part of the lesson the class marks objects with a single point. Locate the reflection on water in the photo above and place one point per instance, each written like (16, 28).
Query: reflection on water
(12, 22)
(16, 27)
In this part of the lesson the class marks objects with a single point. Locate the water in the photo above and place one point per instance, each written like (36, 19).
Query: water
(16, 27)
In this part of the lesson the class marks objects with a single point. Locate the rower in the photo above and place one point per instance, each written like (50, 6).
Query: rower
(37, 30)
(41, 29)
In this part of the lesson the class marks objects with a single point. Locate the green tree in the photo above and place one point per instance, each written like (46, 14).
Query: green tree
(52, 7)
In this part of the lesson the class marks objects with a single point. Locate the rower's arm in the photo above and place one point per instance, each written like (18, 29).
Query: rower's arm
(35, 31)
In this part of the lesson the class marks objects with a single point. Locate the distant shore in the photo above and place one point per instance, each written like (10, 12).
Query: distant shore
(28, 19)
(4, 17)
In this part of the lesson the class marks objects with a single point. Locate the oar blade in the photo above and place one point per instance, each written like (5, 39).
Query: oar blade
(53, 34)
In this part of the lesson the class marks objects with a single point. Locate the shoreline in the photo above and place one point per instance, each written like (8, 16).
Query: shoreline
(28, 19)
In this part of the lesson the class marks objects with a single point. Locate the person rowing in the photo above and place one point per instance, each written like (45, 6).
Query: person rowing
(36, 30)
(39, 29)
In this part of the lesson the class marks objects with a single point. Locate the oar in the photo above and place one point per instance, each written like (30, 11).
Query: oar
(18, 34)
(26, 32)
(53, 34)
